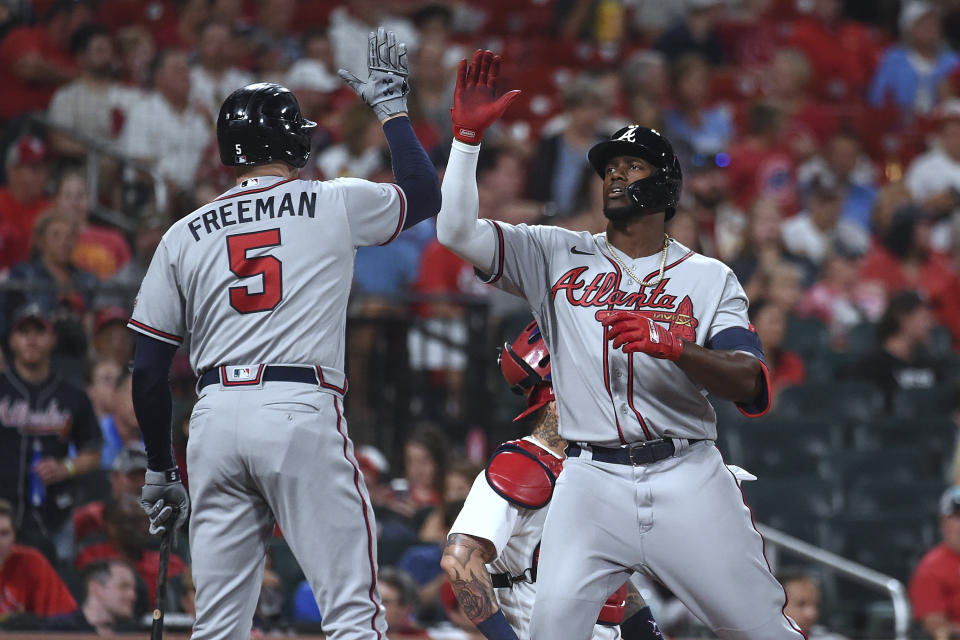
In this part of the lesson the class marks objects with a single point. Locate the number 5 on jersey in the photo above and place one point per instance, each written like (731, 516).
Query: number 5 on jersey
(267, 266)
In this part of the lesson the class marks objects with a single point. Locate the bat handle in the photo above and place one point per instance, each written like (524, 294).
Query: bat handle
(156, 632)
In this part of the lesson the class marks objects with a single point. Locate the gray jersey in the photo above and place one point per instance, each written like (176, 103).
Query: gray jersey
(605, 396)
(268, 262)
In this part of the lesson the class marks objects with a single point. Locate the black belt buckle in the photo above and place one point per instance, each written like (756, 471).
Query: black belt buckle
(650, 451)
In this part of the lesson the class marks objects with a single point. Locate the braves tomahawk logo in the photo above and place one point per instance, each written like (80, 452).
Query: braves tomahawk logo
(602, 291)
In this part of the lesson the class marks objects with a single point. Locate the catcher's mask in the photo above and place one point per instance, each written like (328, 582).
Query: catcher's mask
(659, 191)
(525, 364)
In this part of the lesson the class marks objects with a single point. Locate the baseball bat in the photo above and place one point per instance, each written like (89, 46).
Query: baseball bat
(156, 633)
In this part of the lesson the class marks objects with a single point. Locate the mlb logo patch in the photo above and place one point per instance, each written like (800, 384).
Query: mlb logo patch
(241, 373)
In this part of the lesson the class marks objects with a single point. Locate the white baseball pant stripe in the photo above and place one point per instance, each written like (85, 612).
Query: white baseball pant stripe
(278, 452)
(681, 520)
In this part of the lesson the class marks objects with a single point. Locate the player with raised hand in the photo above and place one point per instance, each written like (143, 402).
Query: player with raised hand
(640, 329)
(258, 280)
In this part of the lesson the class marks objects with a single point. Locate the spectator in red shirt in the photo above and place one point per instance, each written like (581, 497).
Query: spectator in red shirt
(34, 61)
(28, 583)
(126, 478)
(842, 52)
(904, 260)
(935, 585)
(786, 367)
(22, 200)
(762, 165)
(128, 539)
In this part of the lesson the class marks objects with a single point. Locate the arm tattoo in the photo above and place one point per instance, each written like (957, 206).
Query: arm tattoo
(469, 577)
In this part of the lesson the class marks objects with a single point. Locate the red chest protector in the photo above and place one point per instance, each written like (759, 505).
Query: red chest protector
(523, 473)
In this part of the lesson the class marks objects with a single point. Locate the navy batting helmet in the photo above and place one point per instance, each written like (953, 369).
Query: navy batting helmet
(659, 191)
(262, 123)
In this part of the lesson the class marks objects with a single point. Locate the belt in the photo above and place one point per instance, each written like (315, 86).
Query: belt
(268, 373)
(634, 454)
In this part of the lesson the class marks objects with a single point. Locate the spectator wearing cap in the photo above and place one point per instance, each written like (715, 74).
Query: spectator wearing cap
(934, 587)
(900, 359)
(843, 53)
(838, 298)
(164, 129)
(904, 259)
(35, 60)
(126, 478)
(23, 198)
(721, 224)
(111, 339)
(28, 582)
(934, 177)
(214, 75)
(695, 32)
(910, 73)
(704, 127)
(42, 417)
(95, 104)
(99, 249)
(810, 233)
(559, 174)
(843, 163)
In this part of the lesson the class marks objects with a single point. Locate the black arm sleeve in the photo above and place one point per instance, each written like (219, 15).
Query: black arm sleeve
(152, 401)
(413, 170)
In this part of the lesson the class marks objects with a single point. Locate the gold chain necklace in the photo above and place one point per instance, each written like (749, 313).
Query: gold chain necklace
(663, 262)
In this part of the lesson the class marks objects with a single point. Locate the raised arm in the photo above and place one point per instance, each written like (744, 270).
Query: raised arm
(475, 107)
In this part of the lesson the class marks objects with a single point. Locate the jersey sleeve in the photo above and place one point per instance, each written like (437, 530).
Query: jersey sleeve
(486, 515)
(158, 309)
(732, 310)
(520, 262)
(375, 211)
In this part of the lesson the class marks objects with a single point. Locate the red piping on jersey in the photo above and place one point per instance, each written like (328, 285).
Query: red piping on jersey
(249, 191)
(763, 547)
(239, 383)
(366, 521)
(403, 216)
(766, 381)
(499, 272)
(666, 268)
(643, 425)
(326, 385)
(157, 332)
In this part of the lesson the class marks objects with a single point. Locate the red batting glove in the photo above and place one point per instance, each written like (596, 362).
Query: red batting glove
(635, 332)
(475, 105)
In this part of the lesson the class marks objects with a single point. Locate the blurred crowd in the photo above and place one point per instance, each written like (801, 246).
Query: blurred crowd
(820, 142)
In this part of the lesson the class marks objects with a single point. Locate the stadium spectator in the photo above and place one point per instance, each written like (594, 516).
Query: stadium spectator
(843, 163)
(721, 225)
(313, 79)
(934, 587)
(184, 35)
(910, 73)
(351, 23)
(23, 197)
(95, 104)
(904, 259)
(398, 592)
(362, 151)
(695, 32)
(35, 60)
(102, 381)
(128, 539)
(275, 36)
(810, 233)
(842, 53)
(693, 121)
(42, 417)
(934, 177)
(750, 37)
(136, 51)
(430, 103)
(760, 162)
(786, 367)
(111, 339)
(838, 298)
(120, 289)
(99, 249)
(124, 418)
(900, 359)
(28, 582)
(500, 183)
(458, 480)
(111, 594)
(645, 74)
(214, 76)
(163, 129)
(559, 174)
(803, 604)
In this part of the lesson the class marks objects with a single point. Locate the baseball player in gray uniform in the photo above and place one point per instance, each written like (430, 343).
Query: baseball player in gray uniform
(640, 329)
(258, 281)
(491, 555)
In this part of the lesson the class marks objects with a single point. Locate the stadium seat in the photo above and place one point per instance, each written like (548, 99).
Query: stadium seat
(936, 434)
(889, 543)
(778, 447)
(806, 336)
(903, 464)
(878, 496)
(934, 401)
(797, 505)
(860, 339)
(841, 401)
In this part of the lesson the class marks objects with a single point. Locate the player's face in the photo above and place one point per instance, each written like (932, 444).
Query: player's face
(617, 175)
(6, 538)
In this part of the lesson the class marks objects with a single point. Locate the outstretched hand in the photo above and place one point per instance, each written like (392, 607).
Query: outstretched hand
(475, 102)
(385, 89)
(636, 332)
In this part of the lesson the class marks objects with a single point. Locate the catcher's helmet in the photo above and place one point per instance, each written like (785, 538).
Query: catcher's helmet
(262, 123)
(659, 191)
(526, 366)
